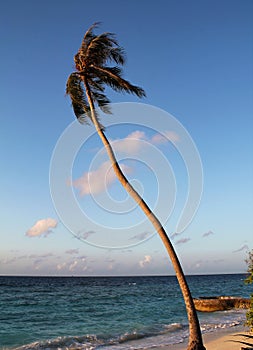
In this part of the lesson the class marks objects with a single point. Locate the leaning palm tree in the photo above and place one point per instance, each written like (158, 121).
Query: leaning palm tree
(86, 88)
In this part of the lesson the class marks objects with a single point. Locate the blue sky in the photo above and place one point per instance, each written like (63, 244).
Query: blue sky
(194, 60)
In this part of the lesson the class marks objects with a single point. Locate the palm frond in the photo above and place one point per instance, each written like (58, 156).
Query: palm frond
(89, 35)
(78, 62)
(79, 103)
(96, 83)
(117, 71)
(117, 54)
(101, 48)
(80, 114)
(102, 101)
(108, 76)
(97, 49)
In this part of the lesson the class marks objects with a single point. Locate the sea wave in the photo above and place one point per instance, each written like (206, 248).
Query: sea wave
(119, 313)
(142, 340)
(174, 333)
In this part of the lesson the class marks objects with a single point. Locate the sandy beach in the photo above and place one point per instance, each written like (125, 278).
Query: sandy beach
(222, 340)
(232, 341)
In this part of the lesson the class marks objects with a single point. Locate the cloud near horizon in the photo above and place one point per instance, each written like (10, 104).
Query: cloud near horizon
(146, 261)
(41, 228)
(72, 251)
(78, 265)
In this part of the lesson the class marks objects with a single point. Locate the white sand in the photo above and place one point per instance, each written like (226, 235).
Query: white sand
(232, 339)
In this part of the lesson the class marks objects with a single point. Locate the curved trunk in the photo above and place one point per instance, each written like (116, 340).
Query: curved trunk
(195, 337)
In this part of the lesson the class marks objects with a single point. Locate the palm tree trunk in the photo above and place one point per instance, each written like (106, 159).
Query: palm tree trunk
(195, 338)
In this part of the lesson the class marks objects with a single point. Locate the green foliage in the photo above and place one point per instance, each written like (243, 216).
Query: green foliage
(249, 262)
(249, 280)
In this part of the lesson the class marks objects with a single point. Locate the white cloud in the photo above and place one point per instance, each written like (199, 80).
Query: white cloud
(42, 228)
(111, 264)
(97, 181)
(133, 142)
(82, 258)
(37, 264)
(73, 265)
(61, 266)
(147, 259)
(168, 136)
(130, 144)
(198, 264)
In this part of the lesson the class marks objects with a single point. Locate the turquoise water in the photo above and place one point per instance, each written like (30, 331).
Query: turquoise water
(107, 312)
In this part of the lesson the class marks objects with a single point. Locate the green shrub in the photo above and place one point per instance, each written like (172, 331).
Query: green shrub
(249, 280)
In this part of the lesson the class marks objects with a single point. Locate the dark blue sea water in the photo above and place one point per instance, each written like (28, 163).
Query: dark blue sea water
(107, 312)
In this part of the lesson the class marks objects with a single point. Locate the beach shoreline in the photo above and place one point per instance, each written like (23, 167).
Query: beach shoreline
(125, 313)
(227, 339)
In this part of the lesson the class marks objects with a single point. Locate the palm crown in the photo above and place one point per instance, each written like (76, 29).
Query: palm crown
(93, 73)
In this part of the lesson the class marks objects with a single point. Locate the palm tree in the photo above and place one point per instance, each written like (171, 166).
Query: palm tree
(86, 88)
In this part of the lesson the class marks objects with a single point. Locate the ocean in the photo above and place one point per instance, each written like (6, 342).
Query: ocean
(108, 313)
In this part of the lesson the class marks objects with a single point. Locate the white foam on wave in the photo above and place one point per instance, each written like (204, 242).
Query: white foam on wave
(88, 342)
(148, 337)
(169, 334)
